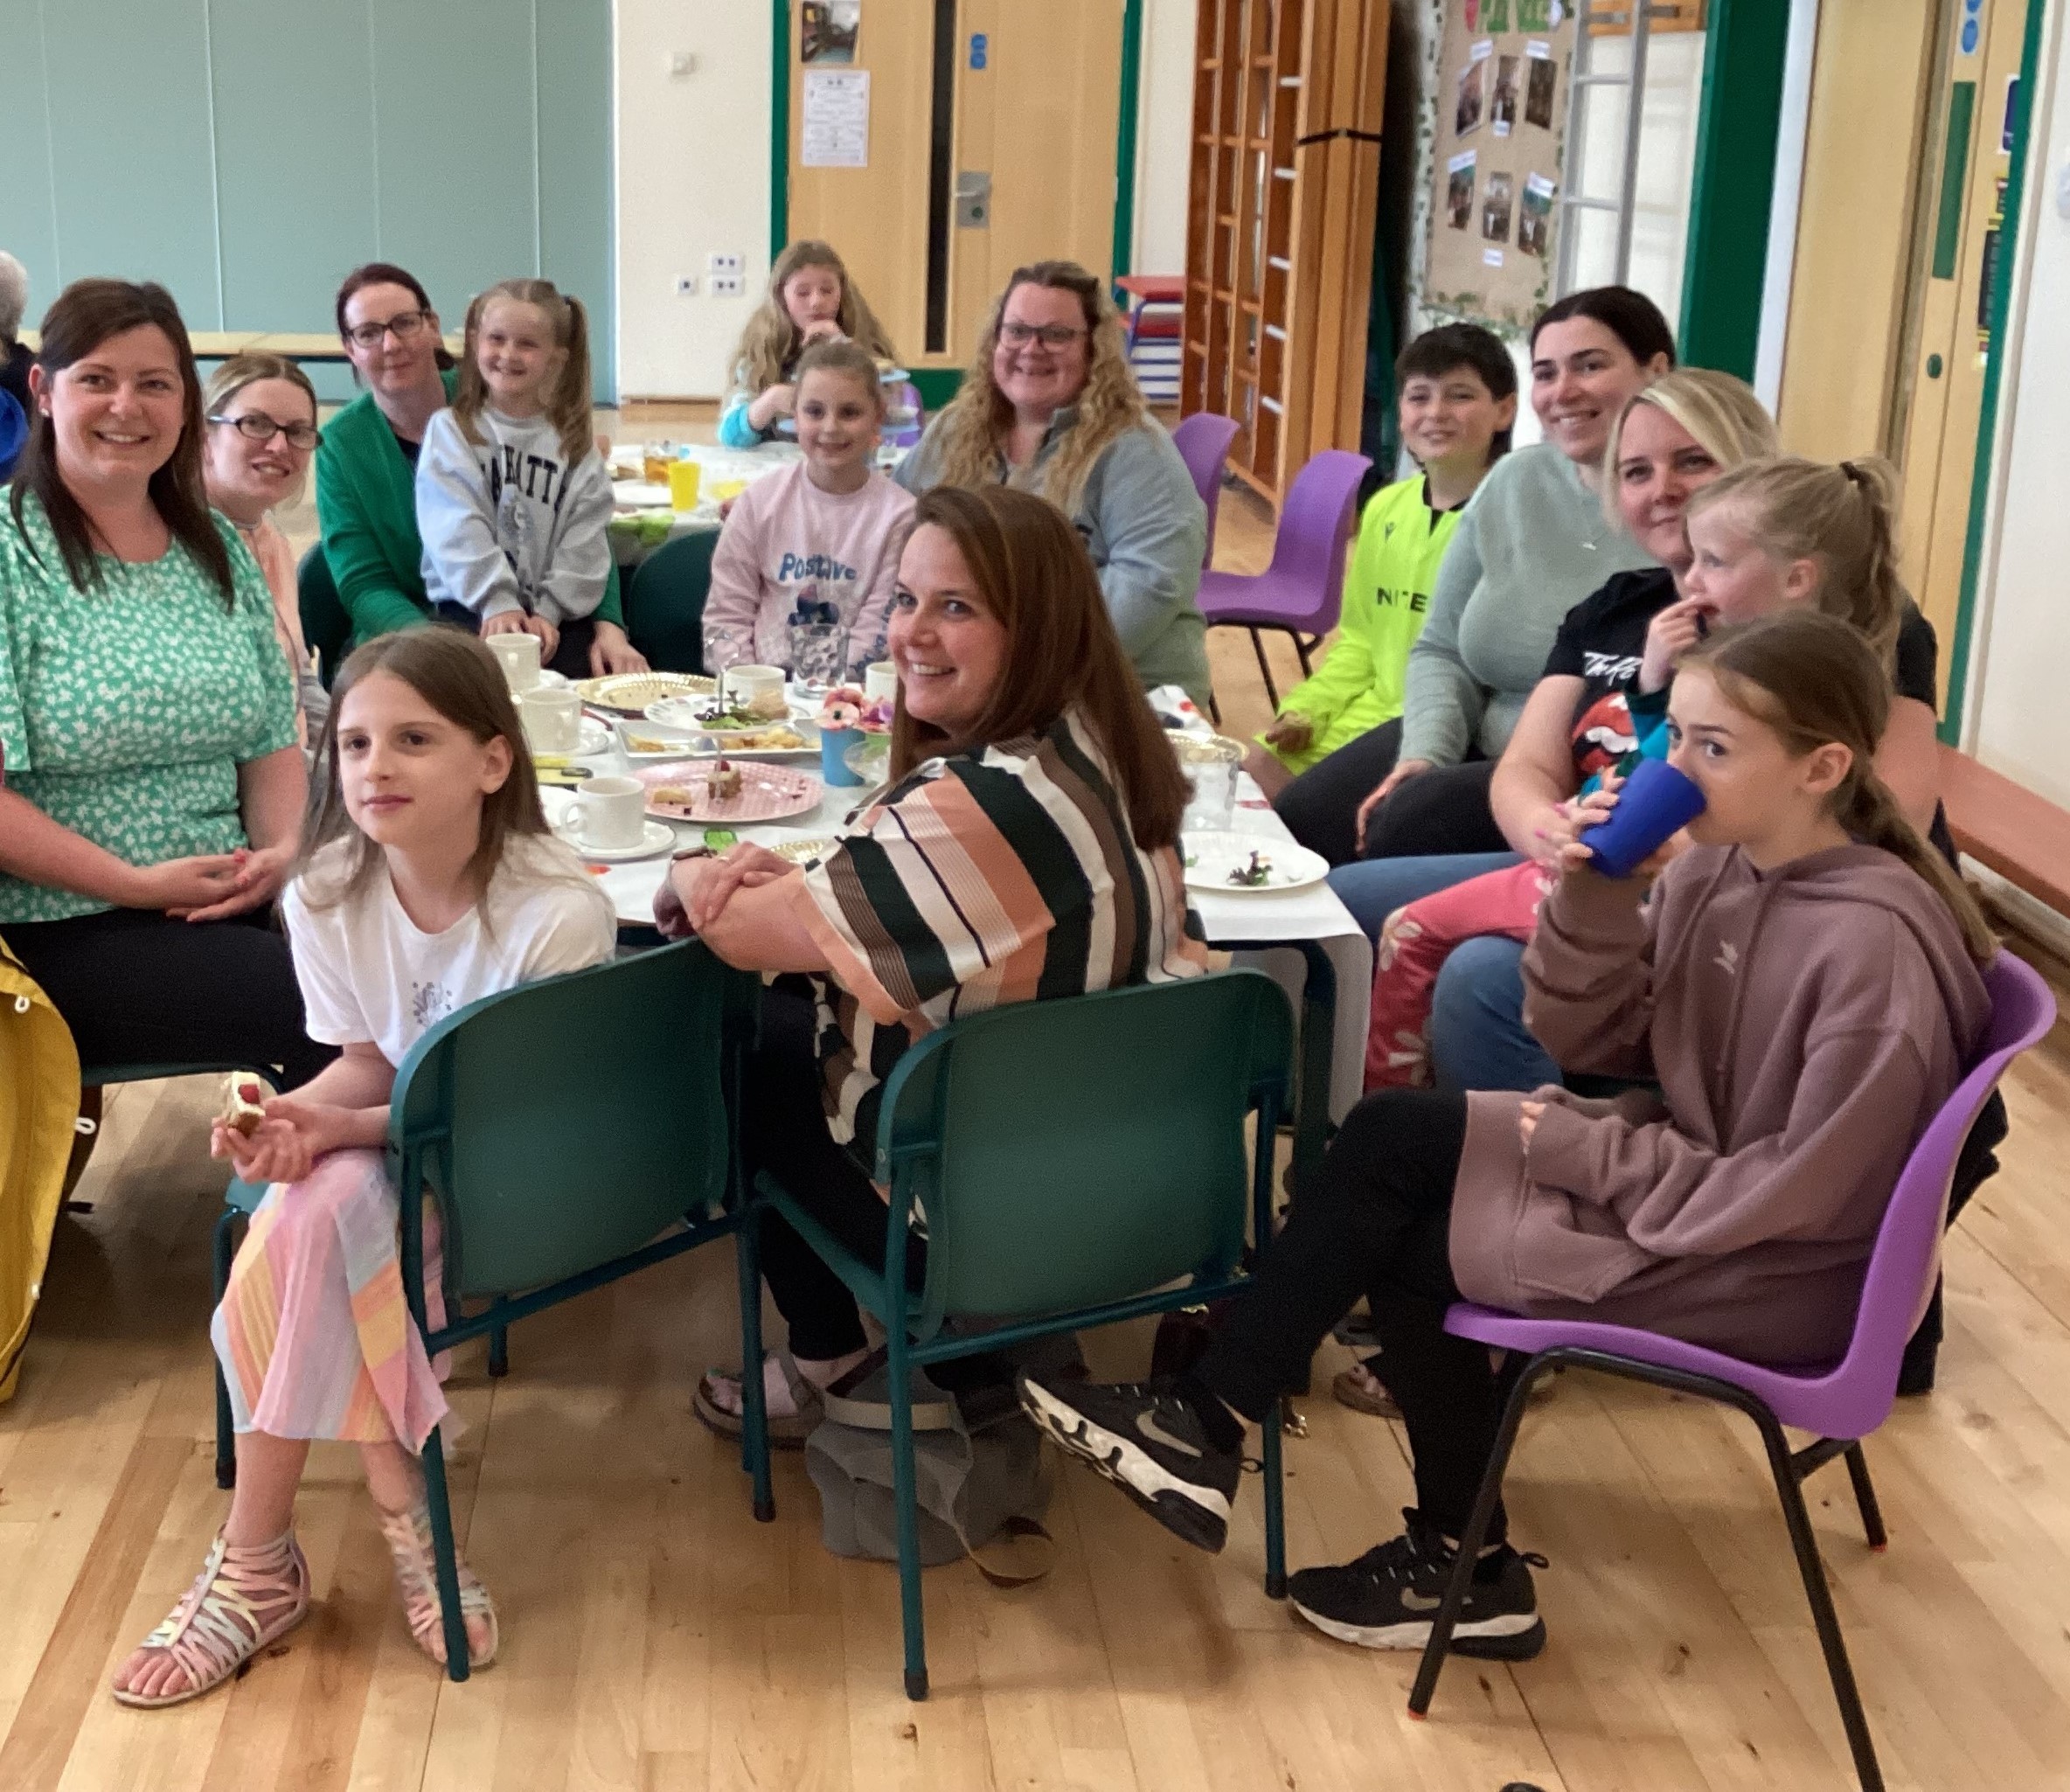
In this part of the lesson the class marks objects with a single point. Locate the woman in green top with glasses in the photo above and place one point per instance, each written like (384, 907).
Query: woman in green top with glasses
(1049, 406)
(366, 463)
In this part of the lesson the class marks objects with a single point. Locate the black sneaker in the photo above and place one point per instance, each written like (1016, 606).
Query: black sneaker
(1388, 1598)
(1147, 1440)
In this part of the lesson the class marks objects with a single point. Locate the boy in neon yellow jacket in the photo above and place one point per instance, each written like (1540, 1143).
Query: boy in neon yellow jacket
(1458, 399)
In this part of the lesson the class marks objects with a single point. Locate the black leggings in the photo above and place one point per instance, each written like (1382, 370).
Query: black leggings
(783, 1130)
(137, 987)
(1444, 810)
(1375, 1221)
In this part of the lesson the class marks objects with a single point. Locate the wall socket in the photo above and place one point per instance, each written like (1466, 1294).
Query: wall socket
(719, 262)
(686, 285)
(727, 286)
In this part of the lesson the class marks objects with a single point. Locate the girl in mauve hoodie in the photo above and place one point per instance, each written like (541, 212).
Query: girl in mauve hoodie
(1802, 985)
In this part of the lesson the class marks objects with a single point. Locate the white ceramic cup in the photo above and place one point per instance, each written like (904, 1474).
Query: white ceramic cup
(609, 813)
(880, 681)
(759, 690)
(553, 718)
(518, 655)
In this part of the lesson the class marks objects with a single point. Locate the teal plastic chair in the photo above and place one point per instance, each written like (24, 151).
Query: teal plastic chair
(325, 627)
(571, 1132)
(665, 609)
(1074, 1160)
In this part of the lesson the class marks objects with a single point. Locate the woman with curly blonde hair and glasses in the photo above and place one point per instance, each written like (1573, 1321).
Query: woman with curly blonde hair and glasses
(1049, 406)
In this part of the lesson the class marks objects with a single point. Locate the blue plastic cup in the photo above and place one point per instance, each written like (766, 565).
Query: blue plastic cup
(833, 755)
(1656, 803)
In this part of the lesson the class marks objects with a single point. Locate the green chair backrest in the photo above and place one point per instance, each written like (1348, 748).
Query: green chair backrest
(567, 1122)
(665, 610)
(325, 626)
(1073, 1152)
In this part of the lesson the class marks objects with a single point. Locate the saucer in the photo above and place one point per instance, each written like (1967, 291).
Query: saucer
(655, 837)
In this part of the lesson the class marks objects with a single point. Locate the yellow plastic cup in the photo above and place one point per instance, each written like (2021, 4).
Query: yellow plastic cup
(683, 485)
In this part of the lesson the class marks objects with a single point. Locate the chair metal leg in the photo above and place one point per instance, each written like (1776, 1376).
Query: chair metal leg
(445, 1557)
(906, 1501)
(1275, 1519)
(1812, 1570)
(1265, 670)
(225, 1431)
(1864, 1497)
(499, 1347)
(1302, 649)
(1470, 1545)
(755, 1419)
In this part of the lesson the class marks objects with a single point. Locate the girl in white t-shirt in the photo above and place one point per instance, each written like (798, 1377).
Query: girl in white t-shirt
(427, 880)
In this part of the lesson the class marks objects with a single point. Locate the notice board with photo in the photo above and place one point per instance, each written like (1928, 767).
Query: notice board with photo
(1498, 151)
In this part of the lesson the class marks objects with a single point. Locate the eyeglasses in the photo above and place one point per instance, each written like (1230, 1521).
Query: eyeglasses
(403, 327)
(256, 426)
(1051, 336)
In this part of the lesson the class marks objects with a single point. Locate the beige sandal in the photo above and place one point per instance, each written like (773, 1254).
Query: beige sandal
(233, 1609)
(408, 1538)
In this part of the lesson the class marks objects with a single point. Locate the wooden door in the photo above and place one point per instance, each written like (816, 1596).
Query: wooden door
(1941, 404)
(1032, 107)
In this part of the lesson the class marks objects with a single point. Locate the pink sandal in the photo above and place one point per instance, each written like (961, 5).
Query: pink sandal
(408, 1537)
(243, 1598)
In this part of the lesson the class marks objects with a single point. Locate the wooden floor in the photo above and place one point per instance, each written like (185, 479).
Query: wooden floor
(656, 1638)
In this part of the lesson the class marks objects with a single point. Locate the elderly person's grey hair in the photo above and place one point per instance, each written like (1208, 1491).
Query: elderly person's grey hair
(14, 298)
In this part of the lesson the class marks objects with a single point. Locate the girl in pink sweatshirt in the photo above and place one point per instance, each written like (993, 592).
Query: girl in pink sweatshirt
(1802, 984)
(820, 540)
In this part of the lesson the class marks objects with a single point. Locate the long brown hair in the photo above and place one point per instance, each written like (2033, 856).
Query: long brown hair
(1814, 679)
(1843, 519)
(567, 405)
(770, 343)
(459, 677)
(1032, 572)
(386, 273)
(975, 422)
(86, 315)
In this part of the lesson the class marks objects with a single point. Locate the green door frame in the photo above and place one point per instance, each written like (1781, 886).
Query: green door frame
(1987, 422)
(937, 386)
(1725, 263)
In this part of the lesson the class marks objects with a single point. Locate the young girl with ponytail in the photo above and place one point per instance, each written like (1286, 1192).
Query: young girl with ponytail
(1802, 985)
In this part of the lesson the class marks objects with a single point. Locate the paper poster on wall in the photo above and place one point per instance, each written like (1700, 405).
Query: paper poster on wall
(1459, 192)
(1534, 220)
(1538, 98)
(1502, 114)
(835, 129)
(1492, 215)
(1495, 201)
(828, 30)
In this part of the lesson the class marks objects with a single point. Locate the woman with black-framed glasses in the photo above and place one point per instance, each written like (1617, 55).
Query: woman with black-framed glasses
(367, 464)
(1050, 405)
(261, 416)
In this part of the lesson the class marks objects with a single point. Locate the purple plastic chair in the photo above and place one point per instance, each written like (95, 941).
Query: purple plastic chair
(1303, 588)
(1202, 443)
(1840, 1405)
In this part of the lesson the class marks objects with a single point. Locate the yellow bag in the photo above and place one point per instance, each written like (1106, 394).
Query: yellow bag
(39, 1102)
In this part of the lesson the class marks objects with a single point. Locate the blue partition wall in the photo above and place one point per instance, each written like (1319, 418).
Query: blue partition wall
(248, 153)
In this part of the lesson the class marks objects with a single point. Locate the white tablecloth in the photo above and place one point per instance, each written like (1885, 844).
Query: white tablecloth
(1313, 913)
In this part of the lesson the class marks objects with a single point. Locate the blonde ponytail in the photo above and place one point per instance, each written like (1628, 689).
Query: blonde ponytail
(1811, 678)
(1843, 519)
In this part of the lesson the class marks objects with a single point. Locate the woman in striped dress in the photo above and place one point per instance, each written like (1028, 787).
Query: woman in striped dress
(1026, 848)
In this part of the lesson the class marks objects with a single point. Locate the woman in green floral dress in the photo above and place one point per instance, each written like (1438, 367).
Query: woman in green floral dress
(154, 786)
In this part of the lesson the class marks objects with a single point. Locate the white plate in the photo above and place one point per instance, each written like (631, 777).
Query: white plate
(1209, 858)
(629, 693)
(656, 837)
(638, 494)
(680, 715)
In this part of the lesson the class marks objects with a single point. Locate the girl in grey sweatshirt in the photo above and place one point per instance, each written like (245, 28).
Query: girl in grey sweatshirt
(513, 499)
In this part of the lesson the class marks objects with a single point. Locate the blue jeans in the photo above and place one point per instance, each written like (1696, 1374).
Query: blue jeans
(1477, 1037)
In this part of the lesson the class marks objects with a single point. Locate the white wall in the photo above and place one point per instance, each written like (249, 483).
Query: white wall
(692, 178)
(1164, 135)
(2018, 720)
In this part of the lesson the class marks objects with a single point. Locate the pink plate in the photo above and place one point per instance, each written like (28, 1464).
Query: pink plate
(769, 793)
